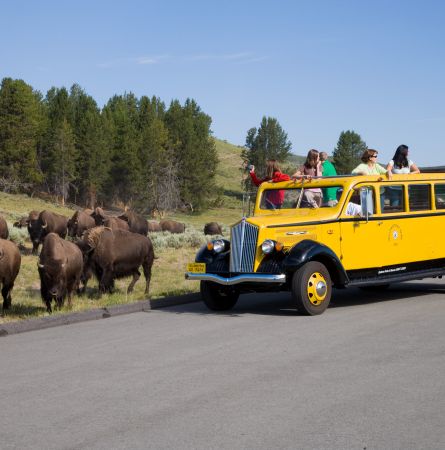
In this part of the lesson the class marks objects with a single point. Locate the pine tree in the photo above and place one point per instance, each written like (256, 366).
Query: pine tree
(348, 152)
(194, 152)
(269, 141)
(62, 153)
(21, 121)
(121, 121)
(159, 189)
(93, 162)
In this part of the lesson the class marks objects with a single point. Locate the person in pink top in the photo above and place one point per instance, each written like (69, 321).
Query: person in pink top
(312, 167)
(274, 198)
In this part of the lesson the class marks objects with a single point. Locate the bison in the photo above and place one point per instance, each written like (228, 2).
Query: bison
(117, 254)
(99, 216)
(80, 222)
(108, 221)
(212, 228)
(47, 222)
(154, 226)
(30, 222)
(22, 222)
(116, 224)
(172, 226)
(4, 232)
(10, 261)
(136, 222)
(60, 269)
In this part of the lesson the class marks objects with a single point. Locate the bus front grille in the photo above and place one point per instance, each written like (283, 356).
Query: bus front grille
(243, 247)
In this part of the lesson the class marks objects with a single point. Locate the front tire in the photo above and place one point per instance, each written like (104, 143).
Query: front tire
(312, 288)
(217, 297)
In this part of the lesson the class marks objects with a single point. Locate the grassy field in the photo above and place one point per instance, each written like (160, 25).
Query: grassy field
(172, 251)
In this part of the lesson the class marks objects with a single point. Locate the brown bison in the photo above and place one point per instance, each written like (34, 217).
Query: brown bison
(117, 254)
(99, 216)
(4, 232)
(10, 260)
(80, 222)
(22, 222)
(47, 222)
(154, 226)
(60, 269)
(172, 226)
(212, 228)
(116, 224)
(136, 222)
(30, 223)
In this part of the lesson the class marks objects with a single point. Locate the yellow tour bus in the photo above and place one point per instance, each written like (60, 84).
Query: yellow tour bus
(309, 236)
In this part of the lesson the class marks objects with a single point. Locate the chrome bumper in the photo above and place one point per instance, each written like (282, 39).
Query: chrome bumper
(248, 278)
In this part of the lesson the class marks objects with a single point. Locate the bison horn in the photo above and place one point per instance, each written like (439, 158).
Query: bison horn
(45, 224)
(41, 266)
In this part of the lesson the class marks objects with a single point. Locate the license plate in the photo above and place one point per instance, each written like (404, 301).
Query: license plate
(196, 267)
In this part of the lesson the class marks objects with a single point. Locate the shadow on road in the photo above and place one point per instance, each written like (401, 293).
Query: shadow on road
(280, 303)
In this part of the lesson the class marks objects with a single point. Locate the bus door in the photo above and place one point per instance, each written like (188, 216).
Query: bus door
(362, 237)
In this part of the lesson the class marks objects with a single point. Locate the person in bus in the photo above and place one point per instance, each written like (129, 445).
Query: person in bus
(369, 165)
(273, 198)
(328, 170)
(312, 197)
(400, 162)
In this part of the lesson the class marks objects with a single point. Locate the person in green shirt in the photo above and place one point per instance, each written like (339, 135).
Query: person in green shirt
(369, 166)
(328, 170)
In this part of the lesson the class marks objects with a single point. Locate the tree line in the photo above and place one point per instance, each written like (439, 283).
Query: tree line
(134, 151)
(270, 141)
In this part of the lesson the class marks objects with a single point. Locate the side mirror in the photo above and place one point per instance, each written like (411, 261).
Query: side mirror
(366, 202)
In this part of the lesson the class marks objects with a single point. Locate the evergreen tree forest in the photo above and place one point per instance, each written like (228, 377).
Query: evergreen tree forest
(348, 151)
(269, 141)
(133, 152)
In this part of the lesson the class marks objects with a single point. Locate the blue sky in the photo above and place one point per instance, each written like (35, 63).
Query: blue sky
(319, 67)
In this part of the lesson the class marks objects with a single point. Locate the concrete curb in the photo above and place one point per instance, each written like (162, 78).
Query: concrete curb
(41, 323)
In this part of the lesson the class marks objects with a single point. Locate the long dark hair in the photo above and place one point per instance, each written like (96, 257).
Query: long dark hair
(400, 157)
(271, 167)
(312, 159)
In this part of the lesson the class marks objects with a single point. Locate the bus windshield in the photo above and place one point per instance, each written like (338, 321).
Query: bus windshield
(319, 197)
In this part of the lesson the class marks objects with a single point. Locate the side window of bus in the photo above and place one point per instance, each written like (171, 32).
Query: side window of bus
(439, 192)
(419, 197)
(391, 199)
(361, 201)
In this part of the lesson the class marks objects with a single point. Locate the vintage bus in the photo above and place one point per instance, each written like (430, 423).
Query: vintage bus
(375, 232)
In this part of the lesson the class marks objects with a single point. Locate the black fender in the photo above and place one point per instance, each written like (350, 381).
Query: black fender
(215, 262)
(308, 250)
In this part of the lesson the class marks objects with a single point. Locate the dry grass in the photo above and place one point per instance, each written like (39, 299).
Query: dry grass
(167, 279)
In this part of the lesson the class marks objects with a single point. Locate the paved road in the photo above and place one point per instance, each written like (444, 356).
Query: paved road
(368, 373)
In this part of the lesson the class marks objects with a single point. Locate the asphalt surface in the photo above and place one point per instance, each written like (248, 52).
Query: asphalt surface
(368, 373)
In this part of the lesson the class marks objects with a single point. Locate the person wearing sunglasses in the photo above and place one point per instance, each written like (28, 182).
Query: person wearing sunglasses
(369, 166)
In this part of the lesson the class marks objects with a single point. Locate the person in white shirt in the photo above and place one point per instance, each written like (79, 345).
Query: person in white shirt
(400, 162)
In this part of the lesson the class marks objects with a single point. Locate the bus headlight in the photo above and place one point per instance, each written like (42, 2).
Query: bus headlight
(268, 246)
(218, 246)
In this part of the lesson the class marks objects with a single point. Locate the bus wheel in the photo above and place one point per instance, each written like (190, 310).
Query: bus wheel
(311, 288)
(217, 297)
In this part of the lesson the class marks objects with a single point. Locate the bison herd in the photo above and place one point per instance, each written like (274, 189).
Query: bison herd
(107, 247)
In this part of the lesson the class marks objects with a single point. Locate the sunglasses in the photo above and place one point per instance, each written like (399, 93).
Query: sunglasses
(373, 156)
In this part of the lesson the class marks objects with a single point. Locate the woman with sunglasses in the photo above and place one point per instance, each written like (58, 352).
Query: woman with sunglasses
(369, 166)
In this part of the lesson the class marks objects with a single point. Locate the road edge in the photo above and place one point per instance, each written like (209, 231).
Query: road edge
(41, 323)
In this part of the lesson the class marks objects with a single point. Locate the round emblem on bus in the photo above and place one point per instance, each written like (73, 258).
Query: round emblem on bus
(395, 234)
